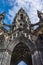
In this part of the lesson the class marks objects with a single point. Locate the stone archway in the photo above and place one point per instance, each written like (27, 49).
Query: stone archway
(21, 53)
(9, 49)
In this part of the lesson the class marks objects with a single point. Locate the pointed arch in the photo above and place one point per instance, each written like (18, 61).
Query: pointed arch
(21, 52)
(24, 40)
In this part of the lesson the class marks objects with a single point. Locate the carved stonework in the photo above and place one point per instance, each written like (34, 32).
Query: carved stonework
(21, 37)
(21, 20)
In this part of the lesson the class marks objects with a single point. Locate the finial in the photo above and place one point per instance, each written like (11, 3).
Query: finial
(40, 15)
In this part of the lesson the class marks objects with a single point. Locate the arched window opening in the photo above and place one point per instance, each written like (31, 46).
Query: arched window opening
(40, 37)
(21, 52)
(21, 15)
(22, 63)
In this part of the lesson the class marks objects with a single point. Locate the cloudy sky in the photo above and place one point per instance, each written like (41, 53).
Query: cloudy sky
(22, 63)
(11, 7)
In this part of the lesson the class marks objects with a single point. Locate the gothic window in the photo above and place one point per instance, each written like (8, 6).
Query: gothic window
(21, 53)
(22, 63)
(40, 37)
(21, 16)
(1, 39)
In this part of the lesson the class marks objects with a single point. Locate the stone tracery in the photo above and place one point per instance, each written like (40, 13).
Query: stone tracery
(21, 31)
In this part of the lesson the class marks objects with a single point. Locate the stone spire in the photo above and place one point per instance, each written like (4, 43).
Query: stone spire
(2, 16)
(21, 19)
(40, 15)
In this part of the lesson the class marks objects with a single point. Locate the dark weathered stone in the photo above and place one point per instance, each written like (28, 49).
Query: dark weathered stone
(21, 32)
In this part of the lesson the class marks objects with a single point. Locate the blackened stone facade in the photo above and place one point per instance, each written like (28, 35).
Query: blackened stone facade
(22, 42)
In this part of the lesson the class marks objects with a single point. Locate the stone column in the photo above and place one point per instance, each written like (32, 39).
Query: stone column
(36, 58)
(6, 59)
(1, 57)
